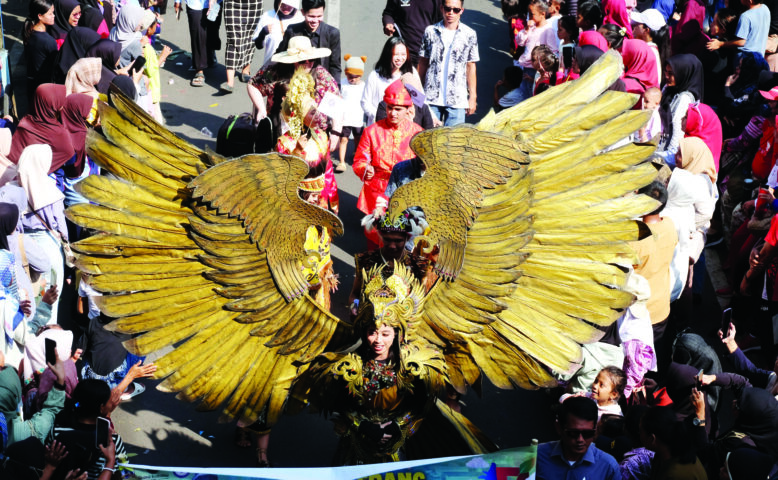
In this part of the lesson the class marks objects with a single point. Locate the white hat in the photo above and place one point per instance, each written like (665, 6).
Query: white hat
(652, 18)
(292, 3)
(300, 49)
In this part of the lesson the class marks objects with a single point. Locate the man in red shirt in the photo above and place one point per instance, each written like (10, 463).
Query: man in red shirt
(383, 145)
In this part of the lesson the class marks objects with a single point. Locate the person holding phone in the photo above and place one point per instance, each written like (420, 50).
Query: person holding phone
(89, 415)
(11, 395)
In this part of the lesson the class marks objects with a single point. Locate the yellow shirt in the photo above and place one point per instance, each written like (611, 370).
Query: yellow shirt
(655, 254)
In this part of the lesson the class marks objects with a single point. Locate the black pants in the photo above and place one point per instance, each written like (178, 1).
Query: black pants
(204, 36)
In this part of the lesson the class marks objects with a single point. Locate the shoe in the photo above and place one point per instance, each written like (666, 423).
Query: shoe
(198, 80)
(137, 390)
(244, 77)
(341, 167)
(226, 88)
(262, 463)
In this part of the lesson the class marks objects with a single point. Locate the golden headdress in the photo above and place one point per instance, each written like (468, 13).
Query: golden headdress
(396, 301)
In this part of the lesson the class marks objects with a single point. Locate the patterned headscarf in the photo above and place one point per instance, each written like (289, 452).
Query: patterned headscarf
(83, 76)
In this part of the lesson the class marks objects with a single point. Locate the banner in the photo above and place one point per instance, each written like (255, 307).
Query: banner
(510, 464)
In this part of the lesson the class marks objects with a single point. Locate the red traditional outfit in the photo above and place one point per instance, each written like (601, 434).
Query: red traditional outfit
(383, 146)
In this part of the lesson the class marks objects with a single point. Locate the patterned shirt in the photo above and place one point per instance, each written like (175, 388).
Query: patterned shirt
(446, 82)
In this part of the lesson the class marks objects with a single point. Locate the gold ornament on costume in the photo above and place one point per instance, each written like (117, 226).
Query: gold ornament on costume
(298, 102)
(396, 301)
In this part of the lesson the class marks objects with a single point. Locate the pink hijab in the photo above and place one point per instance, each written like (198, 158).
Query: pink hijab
(687, 35)
(615, 12)
(593, 37)
(640, 68)
(702, 122)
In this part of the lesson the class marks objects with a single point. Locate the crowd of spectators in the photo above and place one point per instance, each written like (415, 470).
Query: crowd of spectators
(647, 399)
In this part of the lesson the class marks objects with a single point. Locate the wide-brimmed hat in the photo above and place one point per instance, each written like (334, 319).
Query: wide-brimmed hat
(299, 50)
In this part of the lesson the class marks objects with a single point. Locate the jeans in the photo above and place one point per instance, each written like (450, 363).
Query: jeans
(450, 116)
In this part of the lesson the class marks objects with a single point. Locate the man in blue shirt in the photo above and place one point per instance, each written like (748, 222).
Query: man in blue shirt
(752, 31)
(574, 457)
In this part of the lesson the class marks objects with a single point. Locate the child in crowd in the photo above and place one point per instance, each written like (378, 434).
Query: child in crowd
(607, 389)
(352, 90)
(537, 32)
(511, 81)
(153, 63)
(546, 65)
(651, 99)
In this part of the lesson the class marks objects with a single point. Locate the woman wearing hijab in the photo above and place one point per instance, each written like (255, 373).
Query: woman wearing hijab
(39, 380)
(640, 67)
(44, 220)
(77, 117)
(108, 52)
(127, 87)
(75, 47)
(93, 18)
(615, 12)
(702, 122)
(30, 260)
(83, 77)
(687, 35)
(13, 427)
(691, 200)
(127, 33)
(593, 37)
(756, 424)
(684, 86)
(742, 99)
(66, 16)
(43, 126)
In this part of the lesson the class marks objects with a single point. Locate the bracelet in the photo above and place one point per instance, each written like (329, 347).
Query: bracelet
(112, 470)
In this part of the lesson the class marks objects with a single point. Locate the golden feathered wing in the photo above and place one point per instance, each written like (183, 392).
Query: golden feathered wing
(203, 253)
(532, 209)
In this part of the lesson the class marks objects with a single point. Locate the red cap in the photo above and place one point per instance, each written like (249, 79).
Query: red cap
(772, 95)
(396, 94)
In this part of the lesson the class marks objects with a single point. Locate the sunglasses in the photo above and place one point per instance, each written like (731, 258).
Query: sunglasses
(452, 9)
(586, 434)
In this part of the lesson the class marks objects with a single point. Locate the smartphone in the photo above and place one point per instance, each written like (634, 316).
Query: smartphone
(51, 351)
(567, 56)
(102, 431)
(726, 319)
(138, 64)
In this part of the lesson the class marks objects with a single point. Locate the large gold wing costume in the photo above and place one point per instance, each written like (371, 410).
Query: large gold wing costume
(203, 253)
(531, 214)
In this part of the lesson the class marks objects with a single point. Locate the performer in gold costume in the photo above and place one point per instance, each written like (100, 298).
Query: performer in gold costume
(211, 250)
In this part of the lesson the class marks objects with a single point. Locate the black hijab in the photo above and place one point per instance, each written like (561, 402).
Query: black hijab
(127, 87)
(90, 18)
(62, 11)
(687, 70)
(108, 51)
(9, 217)
(586, 55)
(75, 47)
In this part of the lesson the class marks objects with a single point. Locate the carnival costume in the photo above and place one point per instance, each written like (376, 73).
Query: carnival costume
(211, 250)
(304, 138)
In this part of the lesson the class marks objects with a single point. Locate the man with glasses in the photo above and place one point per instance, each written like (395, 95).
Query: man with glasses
(449, 50)
(574, 456)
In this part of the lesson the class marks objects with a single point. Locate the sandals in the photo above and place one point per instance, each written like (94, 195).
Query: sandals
(226, 88)
(341, 167)
(262, 463)
(198, 80)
